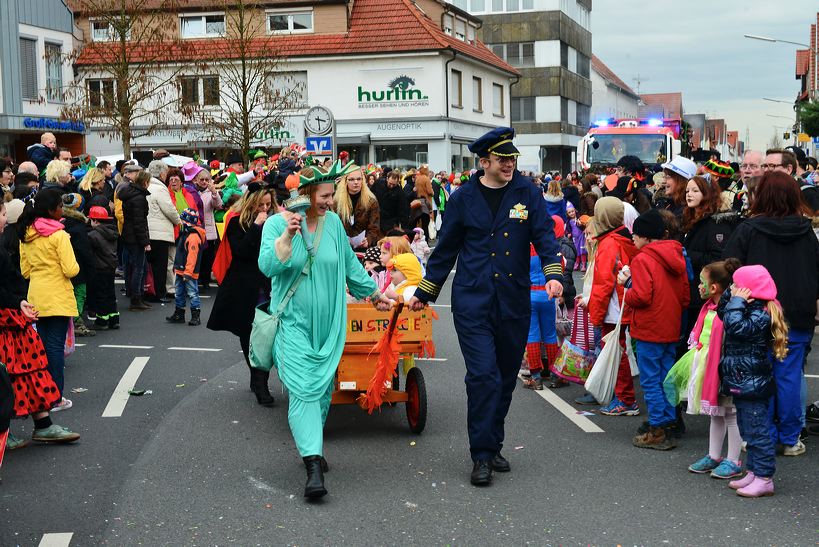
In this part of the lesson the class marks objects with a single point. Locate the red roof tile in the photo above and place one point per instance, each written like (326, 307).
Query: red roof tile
(802, 62)
(609, 75)
(666, 105)
(376, 26)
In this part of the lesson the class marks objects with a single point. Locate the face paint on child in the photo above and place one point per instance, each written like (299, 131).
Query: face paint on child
(705, 287)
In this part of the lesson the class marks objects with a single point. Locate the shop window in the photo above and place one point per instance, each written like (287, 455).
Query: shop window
(101, 93)
(291, 21)
(54, 72)
(202, 26)
(291, 89)
(456, 88)
(478, 6)
(497, 100)
(477, 94)
(401, 156)
(28, 68)
(523, 109)
(583, 115)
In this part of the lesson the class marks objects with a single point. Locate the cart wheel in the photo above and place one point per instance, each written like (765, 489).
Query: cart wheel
(417, 400)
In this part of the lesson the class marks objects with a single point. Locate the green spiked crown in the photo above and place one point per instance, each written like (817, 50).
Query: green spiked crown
(321, 177)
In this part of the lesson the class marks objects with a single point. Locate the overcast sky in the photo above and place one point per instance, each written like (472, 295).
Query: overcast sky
(697, 47)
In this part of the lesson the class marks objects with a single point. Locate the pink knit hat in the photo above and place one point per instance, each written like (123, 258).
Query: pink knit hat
(758, 280)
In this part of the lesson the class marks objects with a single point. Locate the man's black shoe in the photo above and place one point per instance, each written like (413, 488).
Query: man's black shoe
(500, 464)
(481, 473)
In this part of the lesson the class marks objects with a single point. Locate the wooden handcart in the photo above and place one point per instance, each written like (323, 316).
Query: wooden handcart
(365, 326)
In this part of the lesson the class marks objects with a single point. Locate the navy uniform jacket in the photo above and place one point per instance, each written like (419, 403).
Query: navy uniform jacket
(493, 254)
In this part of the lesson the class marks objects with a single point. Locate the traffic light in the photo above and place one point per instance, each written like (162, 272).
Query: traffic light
(787, 135)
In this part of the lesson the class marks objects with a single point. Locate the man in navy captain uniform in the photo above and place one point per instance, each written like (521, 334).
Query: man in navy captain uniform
(488, 226)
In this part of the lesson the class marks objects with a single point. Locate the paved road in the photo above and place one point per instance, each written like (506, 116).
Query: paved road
(199, 463)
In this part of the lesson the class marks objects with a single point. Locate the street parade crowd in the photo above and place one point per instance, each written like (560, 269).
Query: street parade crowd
(700, 280)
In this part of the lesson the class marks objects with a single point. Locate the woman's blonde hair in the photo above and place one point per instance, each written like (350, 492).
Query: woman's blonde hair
(397, 245)
(779, 330)
(92, 177)
(56, 169)
(247, 205)
(344, 205)
(554, 189)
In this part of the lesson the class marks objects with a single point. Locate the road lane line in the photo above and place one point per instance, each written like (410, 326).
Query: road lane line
(811, 375)
(194, 349)
(116, 405)
(441, 305)
(56, 540)
(124, 346)
(569, 411)
(430, 359)
(79, 345)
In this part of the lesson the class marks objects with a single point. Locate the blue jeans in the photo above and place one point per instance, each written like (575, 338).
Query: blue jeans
(189, 288)
(787, 416)
(52, 331)
(136, 265)
(754, 425)
(654, 360)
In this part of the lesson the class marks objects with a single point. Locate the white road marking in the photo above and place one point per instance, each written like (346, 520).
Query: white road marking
(204, 296)
(79, 345)
(440, 305)
(194, 349)
(119, 281)
(431, 359)
(124, 346)
(56, 540)
(569, 411)
(811, 375)
(116, 405)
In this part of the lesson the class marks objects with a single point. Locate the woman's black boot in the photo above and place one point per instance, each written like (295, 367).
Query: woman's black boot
(258, 385)
(315, 478)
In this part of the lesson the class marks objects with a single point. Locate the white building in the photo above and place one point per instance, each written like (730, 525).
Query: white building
(611, 96)
(407, 83)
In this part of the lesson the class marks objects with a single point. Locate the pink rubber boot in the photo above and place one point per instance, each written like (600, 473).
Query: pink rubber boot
(757, 489)
(743, 482)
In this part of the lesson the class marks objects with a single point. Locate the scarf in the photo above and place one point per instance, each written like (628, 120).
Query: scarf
(47, 226)
(710, 383)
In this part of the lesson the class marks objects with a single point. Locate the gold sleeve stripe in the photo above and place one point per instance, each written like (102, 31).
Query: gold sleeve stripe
(552, 269)
(429, 287)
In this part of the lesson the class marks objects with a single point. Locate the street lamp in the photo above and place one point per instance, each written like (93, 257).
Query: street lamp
(812, 50)
(777, 101)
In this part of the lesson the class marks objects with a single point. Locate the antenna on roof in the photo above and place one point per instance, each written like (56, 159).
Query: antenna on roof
(638, 80)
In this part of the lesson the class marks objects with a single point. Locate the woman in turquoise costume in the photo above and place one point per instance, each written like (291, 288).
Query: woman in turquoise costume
(312, 331)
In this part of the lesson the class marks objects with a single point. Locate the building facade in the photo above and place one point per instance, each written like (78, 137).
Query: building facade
(406, 82)
(611, 96)
(35, 38)
(550, 42)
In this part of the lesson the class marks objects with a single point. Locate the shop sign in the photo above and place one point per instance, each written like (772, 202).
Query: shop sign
(75, 126)
(278, 135)
(399, 92)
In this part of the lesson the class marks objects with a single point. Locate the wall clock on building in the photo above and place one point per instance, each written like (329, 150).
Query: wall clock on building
(318, 121)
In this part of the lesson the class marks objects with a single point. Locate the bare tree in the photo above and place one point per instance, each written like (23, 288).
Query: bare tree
(124, 81)
(256, 91)
(776, 140)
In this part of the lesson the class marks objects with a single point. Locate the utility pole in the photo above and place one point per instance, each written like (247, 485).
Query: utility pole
(639, 81)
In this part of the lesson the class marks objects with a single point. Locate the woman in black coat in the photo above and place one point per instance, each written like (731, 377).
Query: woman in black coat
(244, 286)
(135, 236)
(707, 228)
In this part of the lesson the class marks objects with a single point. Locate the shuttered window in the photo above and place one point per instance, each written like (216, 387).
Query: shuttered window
(28, 68)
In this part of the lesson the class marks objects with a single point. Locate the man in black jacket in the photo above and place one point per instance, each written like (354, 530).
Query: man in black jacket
(392, 202)
(135, 235)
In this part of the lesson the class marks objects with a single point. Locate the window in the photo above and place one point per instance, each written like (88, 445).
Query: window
(297, 21)
(582, 65)
(290, 88)
(564, 55)
(520, 54)
(455, 87)
(564, 109)
(462, 4)
(203, 26)
(28, 68)
(497, 100)
(512, 5)
(54, 72)
(470, 33)
(583, 115)
(196, 91)
(101, 93)
(478, 6)
(104, 31)
(497, 5)
(401, 156)
(477, 95)
(502, 6)
(523, 109)
(448, 24)
(460, 29)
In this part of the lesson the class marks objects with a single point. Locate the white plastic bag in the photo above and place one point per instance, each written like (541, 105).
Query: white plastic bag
(433, 231)
(603, 375)
(632, 359)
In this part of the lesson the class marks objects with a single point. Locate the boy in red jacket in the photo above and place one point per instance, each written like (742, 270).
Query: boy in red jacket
(657, 296)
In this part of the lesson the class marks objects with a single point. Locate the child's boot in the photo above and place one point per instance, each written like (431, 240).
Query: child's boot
(113, 321)
(759, 487)
(101, 323)
(177, 317)
(195, 321)
(743, 482)
(655, 438)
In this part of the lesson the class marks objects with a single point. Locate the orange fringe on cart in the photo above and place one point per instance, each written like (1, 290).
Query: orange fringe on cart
(388, 349)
